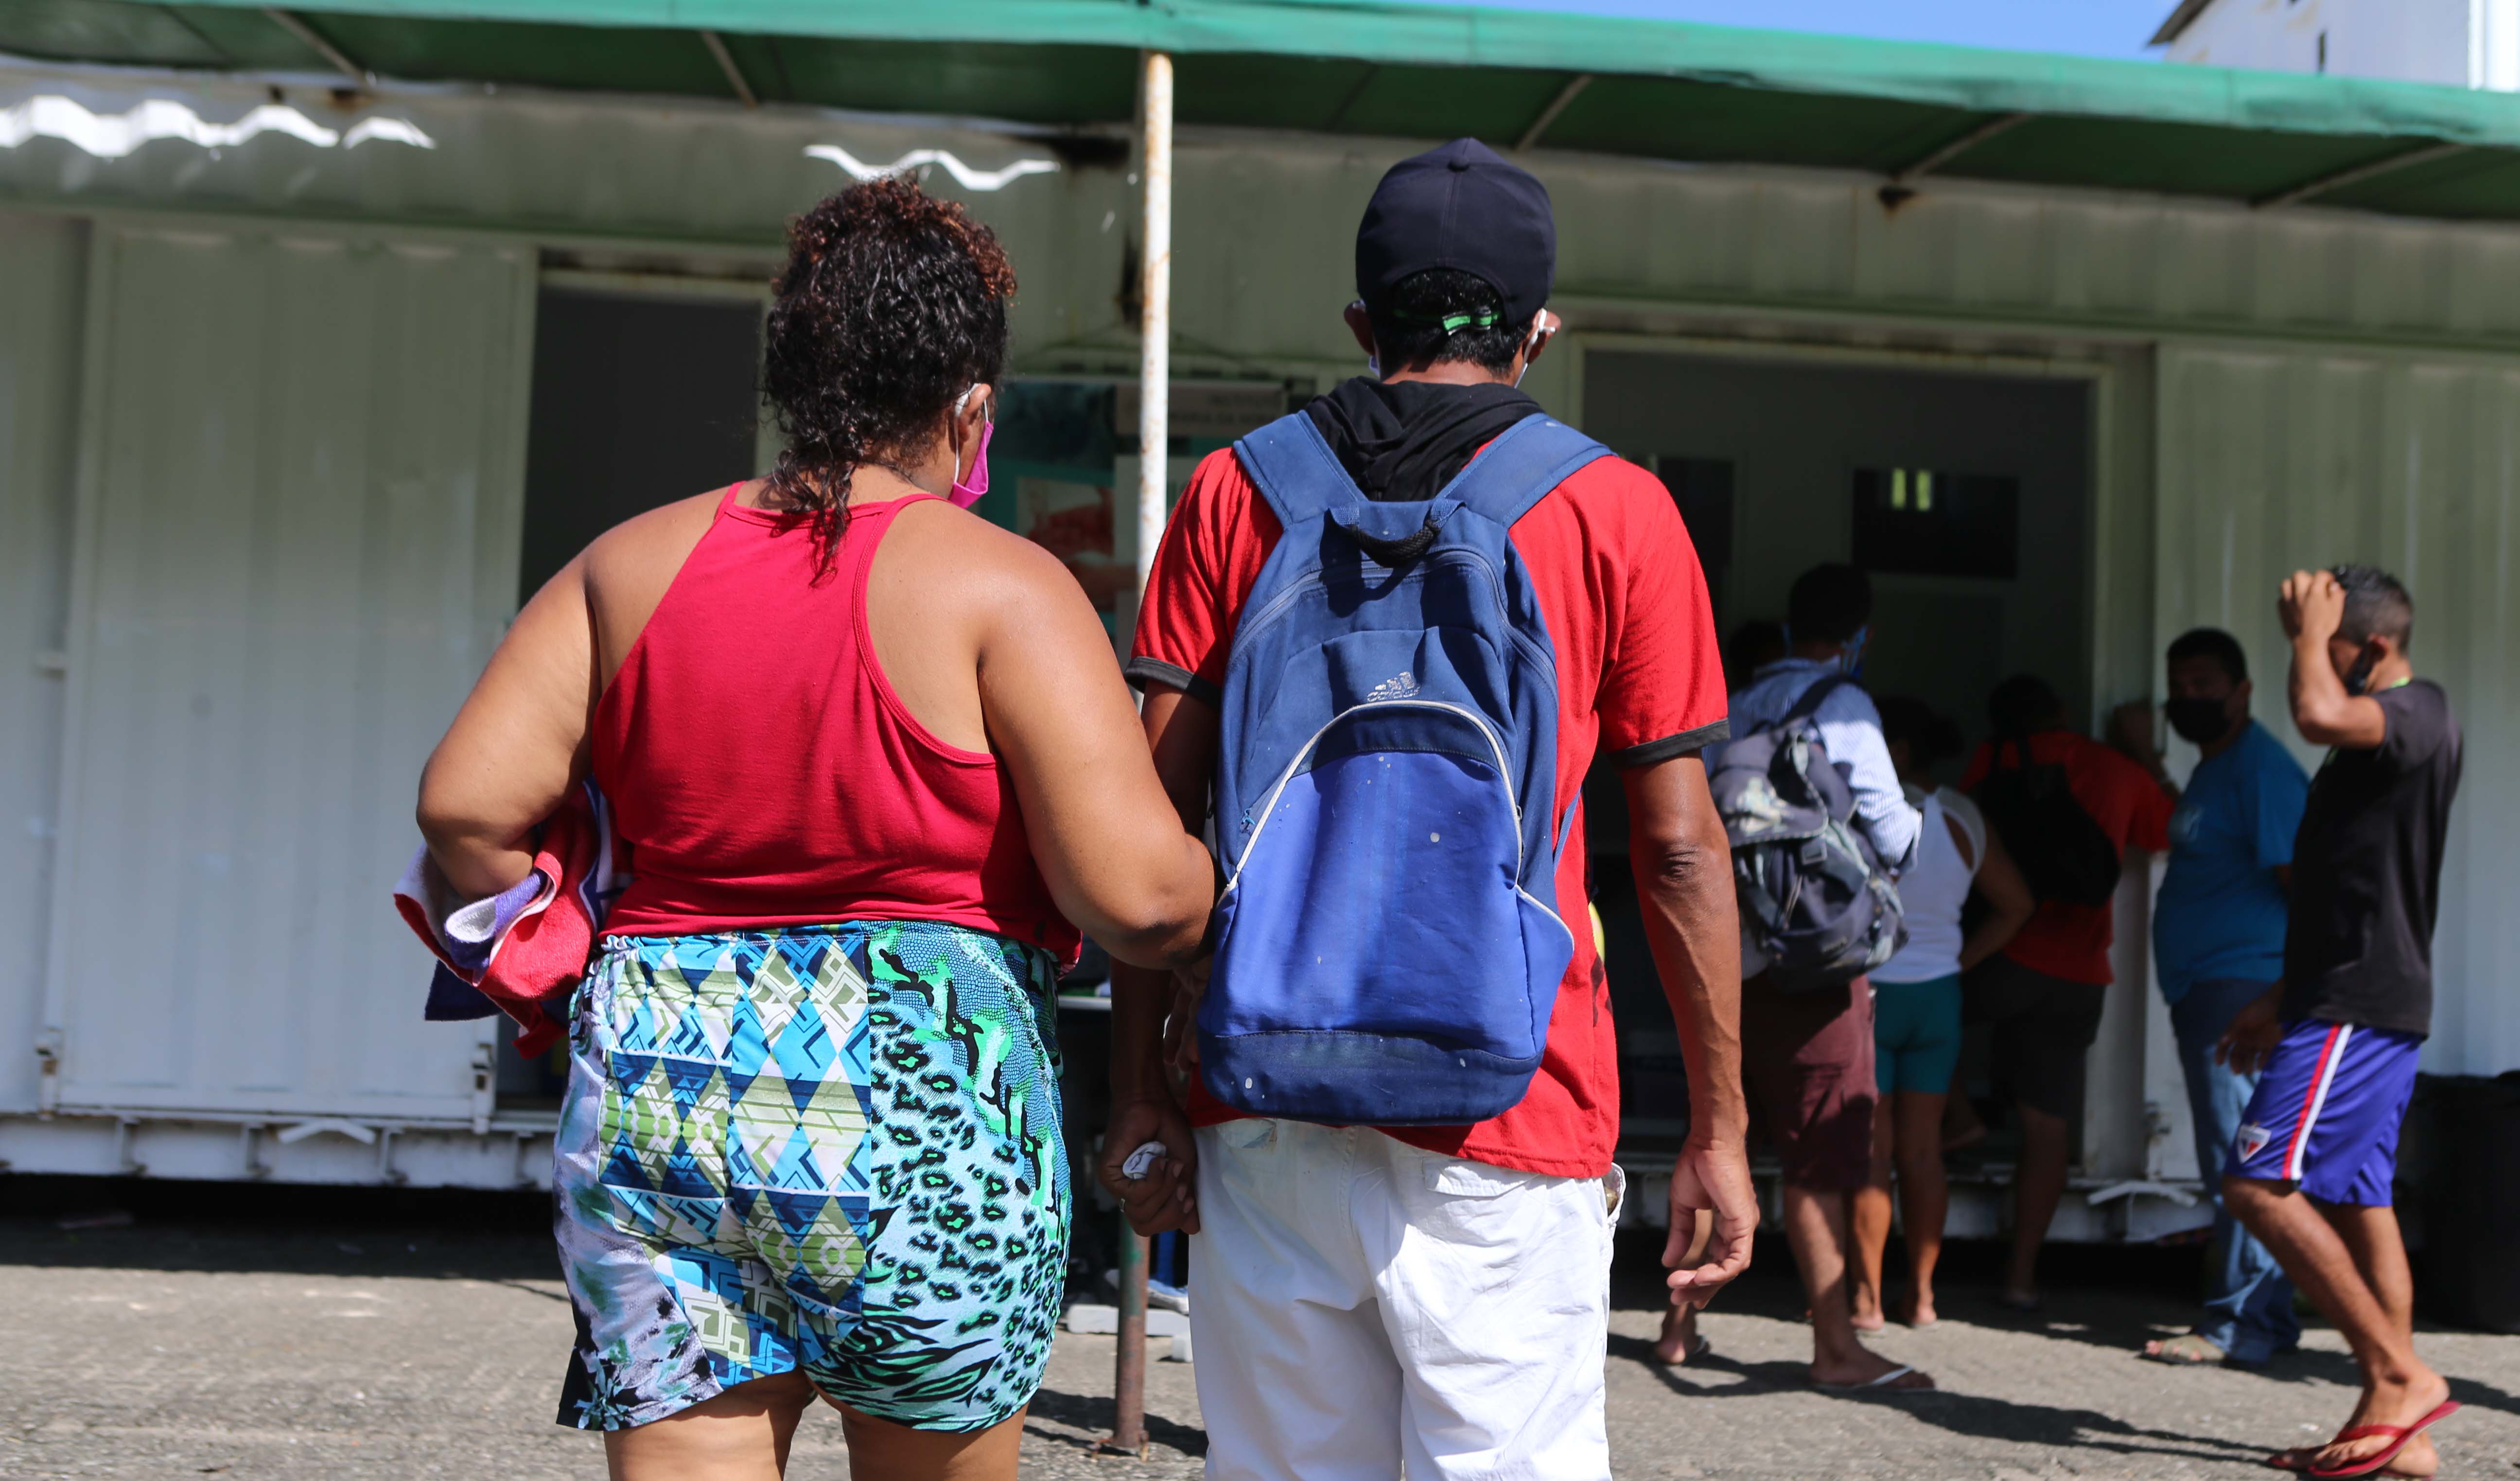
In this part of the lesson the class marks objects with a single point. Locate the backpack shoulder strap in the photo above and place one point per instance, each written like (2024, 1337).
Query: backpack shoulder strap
(1813, 698)
(1520, 467)
(1293, 465)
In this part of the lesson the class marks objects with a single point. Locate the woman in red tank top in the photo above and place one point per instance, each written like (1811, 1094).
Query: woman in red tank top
(876, 768)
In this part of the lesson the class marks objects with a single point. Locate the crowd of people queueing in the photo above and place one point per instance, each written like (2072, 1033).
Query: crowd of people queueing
(875, 772)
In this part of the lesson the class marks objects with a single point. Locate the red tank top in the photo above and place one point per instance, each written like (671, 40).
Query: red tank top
(765, 772)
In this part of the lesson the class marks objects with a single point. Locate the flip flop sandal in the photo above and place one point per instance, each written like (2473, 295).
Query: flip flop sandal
(1687, 1354)
(2404, 1433)
(1883, 1382)
(2017, 1302)
(2187, 1350)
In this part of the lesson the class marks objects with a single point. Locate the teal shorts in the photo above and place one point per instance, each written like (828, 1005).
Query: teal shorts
(828, 1150)
(1916, 1035)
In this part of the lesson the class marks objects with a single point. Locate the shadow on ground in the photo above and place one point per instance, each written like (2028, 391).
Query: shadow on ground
(242, 1228)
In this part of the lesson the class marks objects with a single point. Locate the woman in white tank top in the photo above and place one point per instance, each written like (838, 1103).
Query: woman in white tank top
(1916, 1007)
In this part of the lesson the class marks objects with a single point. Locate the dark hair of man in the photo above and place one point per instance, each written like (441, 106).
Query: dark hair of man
(2376, 605)
(1829, 603)
(1440, 316)
(2215, 643)
(2023, 703)
(891, 304)
(1931, 738)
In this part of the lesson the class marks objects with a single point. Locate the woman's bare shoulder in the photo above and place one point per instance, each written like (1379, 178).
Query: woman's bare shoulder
(979, 564)
(661, 537)
(628, 568)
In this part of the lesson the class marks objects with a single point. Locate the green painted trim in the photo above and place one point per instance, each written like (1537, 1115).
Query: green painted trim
(1394, 32)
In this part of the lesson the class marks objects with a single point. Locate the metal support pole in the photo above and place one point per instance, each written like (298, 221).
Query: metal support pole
(1129, 1368)
(1154, 378)
(1156, 328)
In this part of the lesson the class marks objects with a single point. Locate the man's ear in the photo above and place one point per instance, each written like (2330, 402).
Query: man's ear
(2244, 690)
(1549, 325)
(1360, 326)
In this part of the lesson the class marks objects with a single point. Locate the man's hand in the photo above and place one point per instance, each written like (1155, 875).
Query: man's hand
(2253, 1033)
(1716, 1178)
(1167, 1197)
(2313, 606)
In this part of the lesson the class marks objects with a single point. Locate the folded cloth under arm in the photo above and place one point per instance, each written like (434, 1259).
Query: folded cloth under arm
(523, 951)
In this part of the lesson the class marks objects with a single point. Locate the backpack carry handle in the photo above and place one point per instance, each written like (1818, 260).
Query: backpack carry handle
(1396, 552)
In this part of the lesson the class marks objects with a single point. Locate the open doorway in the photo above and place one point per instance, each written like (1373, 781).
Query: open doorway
(638, 398)
(1966, 497)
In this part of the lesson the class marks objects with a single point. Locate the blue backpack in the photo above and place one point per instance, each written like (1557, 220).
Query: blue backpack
(1388, 945)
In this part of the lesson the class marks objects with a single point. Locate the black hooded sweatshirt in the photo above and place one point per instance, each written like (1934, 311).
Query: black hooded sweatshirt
(1402, 441)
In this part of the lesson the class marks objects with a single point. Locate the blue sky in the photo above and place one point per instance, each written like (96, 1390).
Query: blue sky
(2088, 28)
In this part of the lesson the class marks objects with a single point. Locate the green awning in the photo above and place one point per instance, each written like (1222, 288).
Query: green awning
(1663, 90)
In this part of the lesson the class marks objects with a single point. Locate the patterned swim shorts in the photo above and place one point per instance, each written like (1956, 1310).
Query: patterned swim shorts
(833, 1148)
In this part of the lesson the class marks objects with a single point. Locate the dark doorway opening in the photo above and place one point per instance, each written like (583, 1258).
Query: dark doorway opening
(639, 399)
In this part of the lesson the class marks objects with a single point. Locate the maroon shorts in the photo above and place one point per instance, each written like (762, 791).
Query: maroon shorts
(1807, 1064)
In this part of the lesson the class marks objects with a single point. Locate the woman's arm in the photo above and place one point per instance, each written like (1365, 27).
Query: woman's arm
(515, 745)
(2000, 880)
(1108, 841)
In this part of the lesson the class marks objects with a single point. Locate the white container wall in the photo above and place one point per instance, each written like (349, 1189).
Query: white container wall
(39, 373)
(261, 421)
(2277, 462)
(297, 544)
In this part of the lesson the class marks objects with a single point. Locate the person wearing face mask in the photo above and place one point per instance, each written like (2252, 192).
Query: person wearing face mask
(2218, 933)
(876, 768)
(1808, 1056)
(1381, 1294)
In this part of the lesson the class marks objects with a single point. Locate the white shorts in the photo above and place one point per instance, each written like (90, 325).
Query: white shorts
(1359, 1306)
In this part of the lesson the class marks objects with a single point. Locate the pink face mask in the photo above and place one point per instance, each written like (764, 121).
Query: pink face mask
(966, 494)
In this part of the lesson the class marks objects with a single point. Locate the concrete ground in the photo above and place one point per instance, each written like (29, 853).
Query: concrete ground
(178, 1348)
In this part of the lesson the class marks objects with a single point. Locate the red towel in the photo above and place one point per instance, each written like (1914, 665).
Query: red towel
(526, 949)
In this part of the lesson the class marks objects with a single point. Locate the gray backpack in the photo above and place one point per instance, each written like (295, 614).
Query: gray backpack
(1814, 898)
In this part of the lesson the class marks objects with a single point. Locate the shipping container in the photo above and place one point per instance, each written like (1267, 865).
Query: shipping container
(306, 379)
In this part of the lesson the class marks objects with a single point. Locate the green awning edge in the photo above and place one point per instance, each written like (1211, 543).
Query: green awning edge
(1399, 32)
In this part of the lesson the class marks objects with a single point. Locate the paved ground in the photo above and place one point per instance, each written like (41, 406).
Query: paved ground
(175, 1349)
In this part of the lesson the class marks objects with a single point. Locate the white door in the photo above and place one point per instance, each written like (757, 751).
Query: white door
(297, 544)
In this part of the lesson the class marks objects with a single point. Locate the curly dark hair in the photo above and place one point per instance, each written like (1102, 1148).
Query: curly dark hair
(891, 303)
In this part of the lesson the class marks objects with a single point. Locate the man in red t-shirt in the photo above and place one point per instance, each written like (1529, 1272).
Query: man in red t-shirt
(2045, 992)
(1436, 1299)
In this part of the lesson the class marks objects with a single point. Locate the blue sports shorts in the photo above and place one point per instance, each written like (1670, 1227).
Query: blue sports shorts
(2326, 1112)
(828, 1148)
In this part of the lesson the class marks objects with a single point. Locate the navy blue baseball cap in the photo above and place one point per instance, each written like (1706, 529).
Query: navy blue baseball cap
(1460, 206)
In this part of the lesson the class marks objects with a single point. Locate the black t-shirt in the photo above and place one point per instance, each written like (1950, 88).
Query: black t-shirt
(2367, 871)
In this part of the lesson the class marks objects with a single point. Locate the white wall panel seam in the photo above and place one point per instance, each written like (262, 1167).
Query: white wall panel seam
(78, 643)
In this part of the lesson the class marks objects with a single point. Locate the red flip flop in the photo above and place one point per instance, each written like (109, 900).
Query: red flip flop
(2405, 1434)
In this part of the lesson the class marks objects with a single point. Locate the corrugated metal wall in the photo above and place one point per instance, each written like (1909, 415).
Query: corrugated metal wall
(2273, 461)
(297, 544)
(39, 373)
